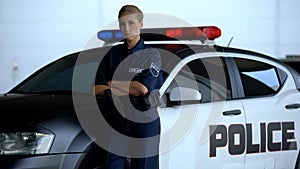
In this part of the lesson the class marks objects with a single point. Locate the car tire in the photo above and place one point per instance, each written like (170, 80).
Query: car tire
(94, 159)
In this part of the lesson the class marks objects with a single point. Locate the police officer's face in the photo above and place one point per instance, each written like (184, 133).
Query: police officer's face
(130, 26)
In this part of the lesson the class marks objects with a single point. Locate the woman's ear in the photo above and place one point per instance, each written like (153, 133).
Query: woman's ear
(142, 23)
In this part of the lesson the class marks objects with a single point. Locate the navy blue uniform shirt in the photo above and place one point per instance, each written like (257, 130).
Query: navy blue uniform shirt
(141, 63)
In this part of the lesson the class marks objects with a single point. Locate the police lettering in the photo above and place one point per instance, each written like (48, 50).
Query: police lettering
(239, 138)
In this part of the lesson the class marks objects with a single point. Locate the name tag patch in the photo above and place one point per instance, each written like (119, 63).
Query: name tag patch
(135, 70)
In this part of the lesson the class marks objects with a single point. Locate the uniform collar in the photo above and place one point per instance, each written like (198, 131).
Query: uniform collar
(137, 47)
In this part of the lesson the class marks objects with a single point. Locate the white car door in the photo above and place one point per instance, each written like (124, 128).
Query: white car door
(202, 128)
(271, 125)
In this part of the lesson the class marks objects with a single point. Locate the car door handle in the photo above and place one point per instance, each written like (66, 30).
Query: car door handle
(293, 106)
(232, 112)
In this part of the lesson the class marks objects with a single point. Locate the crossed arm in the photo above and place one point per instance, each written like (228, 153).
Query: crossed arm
(121, 88)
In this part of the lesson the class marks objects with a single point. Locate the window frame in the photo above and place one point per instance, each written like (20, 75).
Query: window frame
(192, 58)
(235, 73)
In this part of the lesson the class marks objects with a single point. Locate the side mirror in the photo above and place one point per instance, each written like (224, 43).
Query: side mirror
(182, 94)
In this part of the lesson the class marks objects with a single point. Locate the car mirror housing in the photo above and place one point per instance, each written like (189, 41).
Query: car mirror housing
(184, 94)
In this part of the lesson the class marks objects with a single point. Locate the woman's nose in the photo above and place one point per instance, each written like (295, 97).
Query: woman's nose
(126, 27)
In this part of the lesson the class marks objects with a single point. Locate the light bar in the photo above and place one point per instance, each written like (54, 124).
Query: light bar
(161, 34)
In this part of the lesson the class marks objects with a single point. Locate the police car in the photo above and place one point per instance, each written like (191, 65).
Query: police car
(220, 107)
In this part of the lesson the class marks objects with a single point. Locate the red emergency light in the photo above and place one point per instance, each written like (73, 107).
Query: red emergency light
(210, 32)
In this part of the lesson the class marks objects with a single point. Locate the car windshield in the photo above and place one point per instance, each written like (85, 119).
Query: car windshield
(58, 77)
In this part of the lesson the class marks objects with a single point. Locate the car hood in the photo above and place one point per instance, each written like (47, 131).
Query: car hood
(24, 109)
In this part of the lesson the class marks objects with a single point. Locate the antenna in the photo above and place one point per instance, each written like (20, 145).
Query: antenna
(230, 41)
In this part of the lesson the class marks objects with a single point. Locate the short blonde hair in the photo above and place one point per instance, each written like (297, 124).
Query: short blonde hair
(132, 9)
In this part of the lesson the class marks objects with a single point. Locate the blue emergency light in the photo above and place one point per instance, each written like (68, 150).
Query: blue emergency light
(110, 35)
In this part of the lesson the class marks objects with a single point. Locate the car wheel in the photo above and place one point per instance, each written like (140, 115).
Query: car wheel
(94, 159)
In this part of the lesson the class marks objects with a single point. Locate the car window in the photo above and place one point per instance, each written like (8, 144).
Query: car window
(58, 77)
(258, 78)
(209, 76)
(293, 64)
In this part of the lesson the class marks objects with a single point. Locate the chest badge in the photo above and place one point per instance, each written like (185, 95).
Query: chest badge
(154, 70)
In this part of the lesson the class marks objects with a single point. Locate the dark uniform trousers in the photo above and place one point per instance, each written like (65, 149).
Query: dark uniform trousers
(135, 130)
(142, 129)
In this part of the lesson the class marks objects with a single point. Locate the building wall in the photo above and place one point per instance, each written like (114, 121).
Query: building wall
(35, 32)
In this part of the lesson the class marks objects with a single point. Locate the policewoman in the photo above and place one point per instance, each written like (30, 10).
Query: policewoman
(130, 72)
